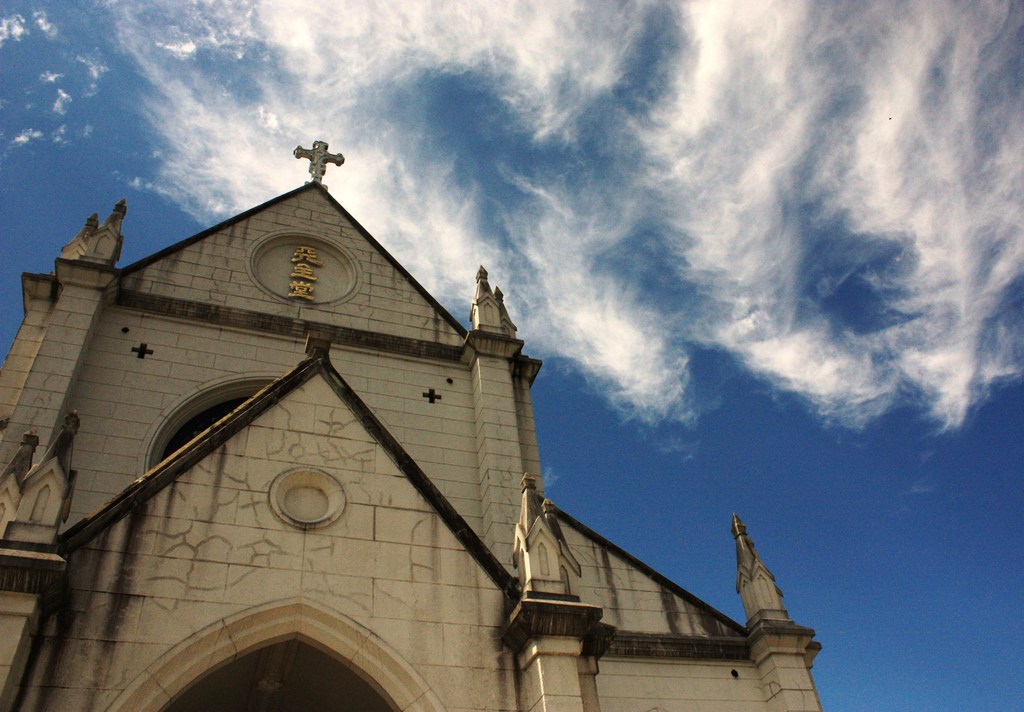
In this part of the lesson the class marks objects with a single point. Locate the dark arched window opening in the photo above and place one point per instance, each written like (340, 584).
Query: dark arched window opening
(199, 423)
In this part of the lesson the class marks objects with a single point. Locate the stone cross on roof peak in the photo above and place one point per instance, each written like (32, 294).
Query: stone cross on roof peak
(318, 158)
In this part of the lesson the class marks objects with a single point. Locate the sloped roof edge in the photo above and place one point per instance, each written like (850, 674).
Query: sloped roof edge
(146, 261)
(658, 578)
(217, 434)
(508, 584)
(182, 244)
(162, 474)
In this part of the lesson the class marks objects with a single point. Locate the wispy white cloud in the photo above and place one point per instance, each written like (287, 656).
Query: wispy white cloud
(12, 27)
(26, 136)
(50, 77)
(44, 24)
(837, 186)
(94, 68)
(60, 105)
(181, 50)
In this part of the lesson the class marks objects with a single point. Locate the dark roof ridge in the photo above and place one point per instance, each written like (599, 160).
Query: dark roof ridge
(199, 236)
(163, 473)
(652, 573)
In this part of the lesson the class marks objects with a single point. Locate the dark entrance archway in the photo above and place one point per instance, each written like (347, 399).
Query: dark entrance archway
(290, 676)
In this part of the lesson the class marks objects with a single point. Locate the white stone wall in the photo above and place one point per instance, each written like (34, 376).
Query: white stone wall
(123, 400)
(632, 600)
(632, 685)
(208, 548)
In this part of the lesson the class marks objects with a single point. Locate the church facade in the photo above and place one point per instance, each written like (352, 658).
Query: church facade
(264, 469)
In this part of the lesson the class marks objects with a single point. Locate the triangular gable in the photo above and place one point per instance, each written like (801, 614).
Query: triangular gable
(207, 442)
(658, 578)
(135, 275)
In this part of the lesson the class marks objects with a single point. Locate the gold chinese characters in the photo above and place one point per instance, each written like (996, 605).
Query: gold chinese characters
(304, 259)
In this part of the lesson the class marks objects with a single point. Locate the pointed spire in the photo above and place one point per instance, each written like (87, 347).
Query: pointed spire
(506, 321)
(61, 446)
(42, 499)
(482, 286)
(98, 243)
(488, 312)
(532, 503)
(754, 582)
(541, 552)
(116, 216)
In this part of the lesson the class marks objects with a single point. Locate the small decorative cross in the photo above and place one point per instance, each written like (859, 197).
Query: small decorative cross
(432, 395)
(318, 158)
(142, 350)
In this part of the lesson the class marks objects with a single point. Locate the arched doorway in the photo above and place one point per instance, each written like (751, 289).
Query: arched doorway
(289, 676)
(162, 685)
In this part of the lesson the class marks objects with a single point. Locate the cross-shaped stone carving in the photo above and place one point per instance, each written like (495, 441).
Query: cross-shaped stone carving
(142, 350)
(432, 395)
(318, 158)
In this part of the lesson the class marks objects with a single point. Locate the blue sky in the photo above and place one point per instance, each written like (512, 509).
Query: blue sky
(772, 255)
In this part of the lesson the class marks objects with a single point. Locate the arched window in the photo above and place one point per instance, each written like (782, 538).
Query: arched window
(197, 414)
(199, 423)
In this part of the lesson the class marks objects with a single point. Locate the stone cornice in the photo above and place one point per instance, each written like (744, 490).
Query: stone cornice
(283, 325)
(532, 618)
(485, 343)
(527, 368)
(43, 573)
(82, 273)
(772, 637)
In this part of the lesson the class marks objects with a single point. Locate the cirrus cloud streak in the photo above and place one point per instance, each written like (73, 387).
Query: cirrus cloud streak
(831, 192)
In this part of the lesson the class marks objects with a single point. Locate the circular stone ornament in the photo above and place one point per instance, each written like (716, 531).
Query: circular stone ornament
(307, 499)
(303, 269)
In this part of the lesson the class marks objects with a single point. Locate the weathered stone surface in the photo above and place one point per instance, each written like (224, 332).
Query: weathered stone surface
(356, 492)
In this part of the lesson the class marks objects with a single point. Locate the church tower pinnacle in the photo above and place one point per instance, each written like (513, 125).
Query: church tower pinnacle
(754, 582)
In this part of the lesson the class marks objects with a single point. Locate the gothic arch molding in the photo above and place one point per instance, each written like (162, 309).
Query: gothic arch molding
(234, 636)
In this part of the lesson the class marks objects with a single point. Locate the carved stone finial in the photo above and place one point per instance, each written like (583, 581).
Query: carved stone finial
(487, 311)
(116, 216)
(318, 158)
(98, 243)
(738, 527)
(62, 444)
(530, 507)
(507, 324)
(21, 463)
(541, 552)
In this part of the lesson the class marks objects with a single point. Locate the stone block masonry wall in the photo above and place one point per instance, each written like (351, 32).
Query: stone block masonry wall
(678, 686)
(123, 400)
(208, 548)
(43, 398)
